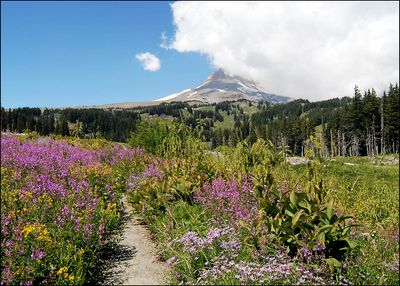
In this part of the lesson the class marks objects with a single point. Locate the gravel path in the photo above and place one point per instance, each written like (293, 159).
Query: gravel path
(133, 260)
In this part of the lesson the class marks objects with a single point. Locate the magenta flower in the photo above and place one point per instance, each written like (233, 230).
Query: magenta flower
(229, 201)
(57, 192)
(153, 171)
(36, 255)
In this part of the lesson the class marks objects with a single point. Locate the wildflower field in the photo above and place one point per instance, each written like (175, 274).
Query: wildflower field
(59, 204)
(242, 216)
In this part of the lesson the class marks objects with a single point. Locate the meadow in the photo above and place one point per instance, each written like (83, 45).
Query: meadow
(237, 216)
(59, 206)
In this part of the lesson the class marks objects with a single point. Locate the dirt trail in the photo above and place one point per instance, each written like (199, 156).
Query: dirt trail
(133, 261)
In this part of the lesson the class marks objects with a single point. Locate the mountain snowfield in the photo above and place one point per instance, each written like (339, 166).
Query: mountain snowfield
(222, 86)
(171, 96)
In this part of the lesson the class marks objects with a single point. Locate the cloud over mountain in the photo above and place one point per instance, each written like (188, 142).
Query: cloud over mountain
(312, 50)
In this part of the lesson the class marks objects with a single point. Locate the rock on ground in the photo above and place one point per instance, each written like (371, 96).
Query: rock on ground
(297, 160)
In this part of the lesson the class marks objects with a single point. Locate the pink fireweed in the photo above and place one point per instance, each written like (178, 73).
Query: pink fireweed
(56, 199)
(119, 153)
(229, 201)
(153, 171)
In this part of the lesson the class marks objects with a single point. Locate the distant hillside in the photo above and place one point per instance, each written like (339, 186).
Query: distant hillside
(362, 125)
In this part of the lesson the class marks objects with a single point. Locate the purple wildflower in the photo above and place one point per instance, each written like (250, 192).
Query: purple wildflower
(153, 171)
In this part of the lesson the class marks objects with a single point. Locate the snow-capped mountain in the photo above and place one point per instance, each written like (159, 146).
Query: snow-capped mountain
(222, 86)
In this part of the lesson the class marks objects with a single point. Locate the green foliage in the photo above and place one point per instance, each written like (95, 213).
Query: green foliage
(297, 208)
(376, 260)
(31, 135)
(149, 135)
(181, 142)
(182, 177)
(77, 132)
(84, 122)
(303, 217)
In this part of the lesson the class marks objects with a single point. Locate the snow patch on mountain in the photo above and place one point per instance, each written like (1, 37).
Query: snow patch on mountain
(193, 93)
(171, 96)
(203, 84)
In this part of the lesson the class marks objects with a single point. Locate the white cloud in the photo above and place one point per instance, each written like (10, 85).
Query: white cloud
(313, 50)
(164, 41)
(149, 61)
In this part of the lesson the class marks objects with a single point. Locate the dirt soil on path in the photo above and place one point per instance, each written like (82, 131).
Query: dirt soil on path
(133, 260)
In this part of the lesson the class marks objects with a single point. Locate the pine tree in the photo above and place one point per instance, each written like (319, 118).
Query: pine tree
(370, 121)
(382, 131)
(392, 125)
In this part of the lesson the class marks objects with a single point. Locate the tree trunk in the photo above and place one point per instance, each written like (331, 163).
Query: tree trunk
(367, 143)
(354, 145)
(382, 130)
(343, 145)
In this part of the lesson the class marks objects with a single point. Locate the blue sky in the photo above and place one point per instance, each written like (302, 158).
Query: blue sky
(58, 54)
(74, 53)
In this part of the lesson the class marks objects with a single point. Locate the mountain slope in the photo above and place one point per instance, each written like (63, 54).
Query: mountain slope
(222, 86)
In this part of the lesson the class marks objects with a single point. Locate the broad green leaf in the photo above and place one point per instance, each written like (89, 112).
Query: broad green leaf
(345, 231)
(296, 217)
(263, 202)
(305, 204)
(301, 243)
(289, 213)
(293, 198)
(329, 209)
(351, 243)
(333, 262)
(324, 229)
(346, 217)
(321, 237)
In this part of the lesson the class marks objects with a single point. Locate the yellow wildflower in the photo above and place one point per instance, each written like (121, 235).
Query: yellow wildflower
(62, 270)
(44, 235)
(28, 229)
(40, 232)
(71, 278)
(81, 252)
(111, 208)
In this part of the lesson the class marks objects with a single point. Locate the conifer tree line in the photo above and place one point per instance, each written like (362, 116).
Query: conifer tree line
(114, 125)
(365, 124)
(369, 125)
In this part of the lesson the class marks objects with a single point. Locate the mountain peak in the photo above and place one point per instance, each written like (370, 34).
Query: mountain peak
(223, 86)
(218, 74)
